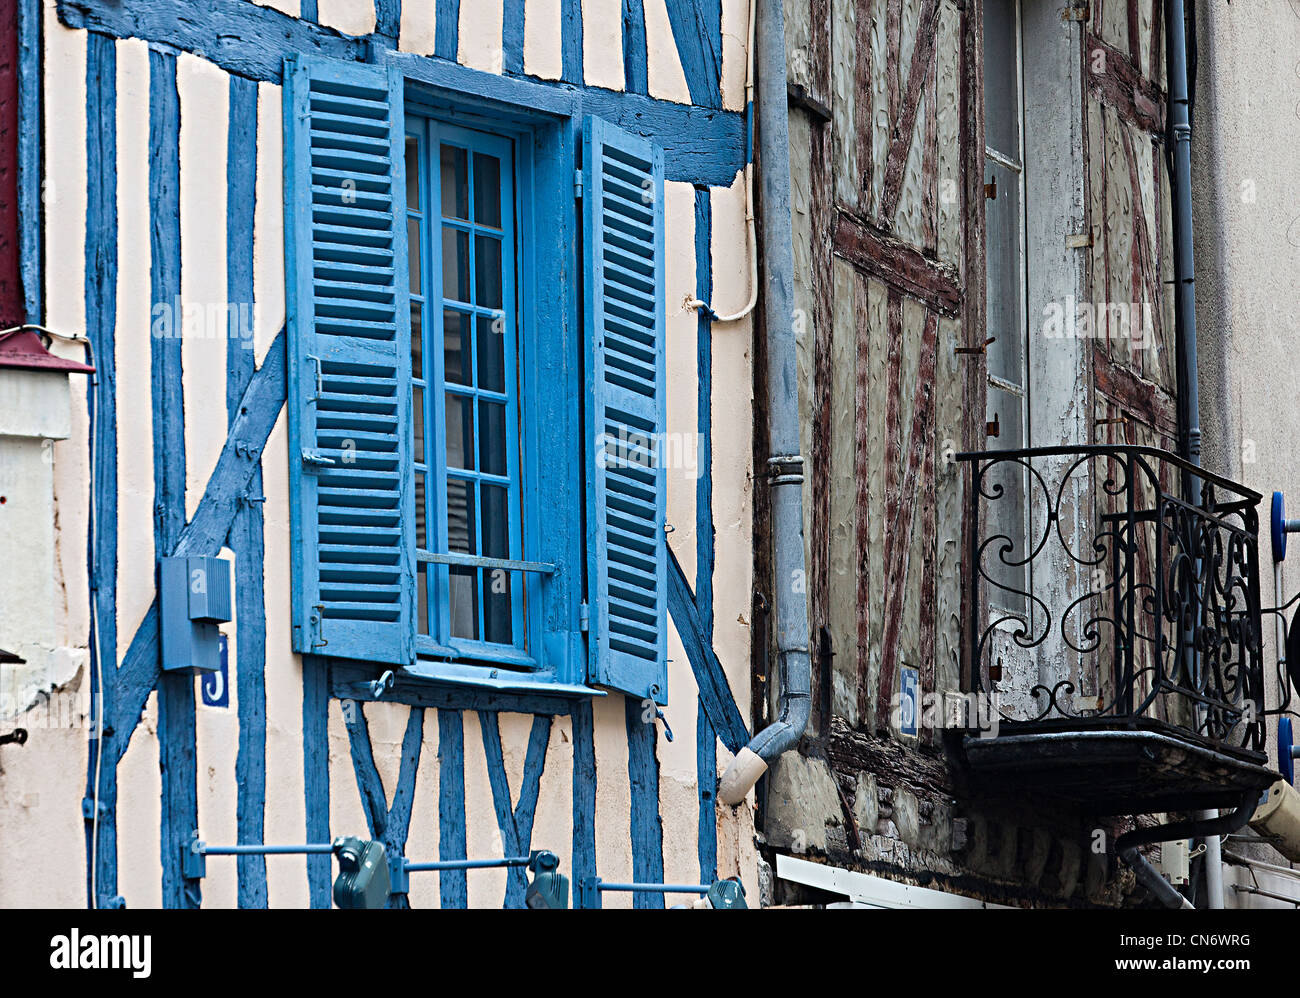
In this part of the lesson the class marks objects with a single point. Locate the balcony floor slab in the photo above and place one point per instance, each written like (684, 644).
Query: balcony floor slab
(1114, 766)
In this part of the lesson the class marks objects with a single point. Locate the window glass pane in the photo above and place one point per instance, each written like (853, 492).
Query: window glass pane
(462, 527)
(460, 432)
(477, 359)
(487, 190)
(417, 344)
(497, 610)
(417, 417)
(456, 347)
(498, 626)
(491, 353)
(1005, 322)
(496, 520)
(492, 437)
(487, 271)
(455, 183)
(455, 264)
(413, 254)
(1001, 78)
(422, 596)
(412, 173)
(464, 601)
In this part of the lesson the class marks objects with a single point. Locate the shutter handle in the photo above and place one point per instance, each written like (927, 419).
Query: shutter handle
(320, 381)
(315, 459)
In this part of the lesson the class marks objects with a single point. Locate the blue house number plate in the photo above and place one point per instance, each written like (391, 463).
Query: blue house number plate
(215, 686)
(909, 700)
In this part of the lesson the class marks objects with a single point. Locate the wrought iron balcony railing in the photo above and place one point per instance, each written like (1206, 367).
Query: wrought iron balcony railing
(1115, 586)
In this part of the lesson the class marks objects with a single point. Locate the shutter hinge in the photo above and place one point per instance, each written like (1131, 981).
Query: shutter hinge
(1076, 12)
(577, 185)
(584, 617)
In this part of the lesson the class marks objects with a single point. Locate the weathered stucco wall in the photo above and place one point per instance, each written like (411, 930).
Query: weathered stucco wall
(41, 785)
(1247, 219)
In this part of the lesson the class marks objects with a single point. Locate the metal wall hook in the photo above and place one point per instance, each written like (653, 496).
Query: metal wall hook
(383, 684)
(668, 732)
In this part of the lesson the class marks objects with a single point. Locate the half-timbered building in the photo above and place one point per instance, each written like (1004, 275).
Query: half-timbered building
(472, 427)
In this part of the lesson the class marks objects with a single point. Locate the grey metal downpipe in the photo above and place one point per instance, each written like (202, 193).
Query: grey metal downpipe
(1180, 129)
(784, 463)
(1209, 824)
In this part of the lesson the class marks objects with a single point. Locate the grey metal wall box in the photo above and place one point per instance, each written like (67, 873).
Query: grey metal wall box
(194, 596)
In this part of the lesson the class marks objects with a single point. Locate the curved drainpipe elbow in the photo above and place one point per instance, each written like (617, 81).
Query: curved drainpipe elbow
(793, 709)
(785, 465)
(1147, 875)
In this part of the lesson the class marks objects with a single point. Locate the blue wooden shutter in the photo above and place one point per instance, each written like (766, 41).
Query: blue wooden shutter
(352, 510)
(623, 182)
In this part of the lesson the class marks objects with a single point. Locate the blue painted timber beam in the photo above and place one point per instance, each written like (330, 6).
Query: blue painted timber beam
(715, 693)
(369, 784)
(515, 823)
(388, 18)
(240, 37)
(584, 797)
(697, 29)
(446, 29)
(316, 775)
(389, 824)
(399, 813)
(100, 290)
(635, 57)
(246, 533)
(571, 41)
(452, 885)
(702, 145)
(643, 779)
(512, 37)
(177, 723)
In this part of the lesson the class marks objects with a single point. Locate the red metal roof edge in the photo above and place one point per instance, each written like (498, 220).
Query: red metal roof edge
(23, 350)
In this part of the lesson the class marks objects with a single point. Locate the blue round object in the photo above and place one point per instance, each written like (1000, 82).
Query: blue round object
(1277, 527)
(1284, 761)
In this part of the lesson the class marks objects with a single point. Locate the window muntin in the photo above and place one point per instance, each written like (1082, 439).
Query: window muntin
(464, 341)
(1007, 290)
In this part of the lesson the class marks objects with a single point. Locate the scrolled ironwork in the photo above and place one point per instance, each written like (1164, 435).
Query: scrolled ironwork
(1092, 569)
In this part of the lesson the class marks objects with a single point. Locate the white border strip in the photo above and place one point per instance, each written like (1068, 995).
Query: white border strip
(873, 892)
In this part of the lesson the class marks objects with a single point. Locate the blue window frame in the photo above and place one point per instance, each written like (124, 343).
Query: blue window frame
(452, 389)
(465, 342)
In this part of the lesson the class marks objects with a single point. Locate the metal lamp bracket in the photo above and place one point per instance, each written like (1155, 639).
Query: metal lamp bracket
(1280, 526)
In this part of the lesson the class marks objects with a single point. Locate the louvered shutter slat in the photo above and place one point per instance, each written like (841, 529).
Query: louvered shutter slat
(626, 414)
(352, 512)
